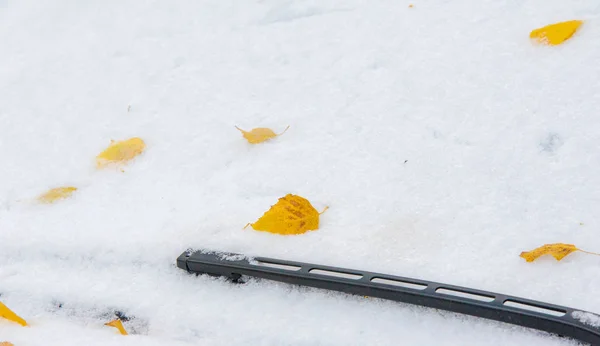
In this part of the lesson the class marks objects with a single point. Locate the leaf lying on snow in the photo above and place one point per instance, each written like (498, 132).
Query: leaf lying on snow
(555, 34)
(117, 324)
(7, 313)
(290, 215)
(558, 251)
(120, 152)
(5, 343)
(260, 134)
(55, 194)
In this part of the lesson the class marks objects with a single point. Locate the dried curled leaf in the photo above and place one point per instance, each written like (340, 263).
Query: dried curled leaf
(558, 251)
(555, 34)
(8, 314)
(260, 134)
(120, 152)
(117, 324)
(56, 194)
(6, 343)
(290, 215)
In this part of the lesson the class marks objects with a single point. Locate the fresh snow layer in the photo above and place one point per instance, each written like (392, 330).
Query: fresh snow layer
(587, 318)
(443, 140)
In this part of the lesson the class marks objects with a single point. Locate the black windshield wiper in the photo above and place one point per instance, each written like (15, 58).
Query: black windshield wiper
(555, 319)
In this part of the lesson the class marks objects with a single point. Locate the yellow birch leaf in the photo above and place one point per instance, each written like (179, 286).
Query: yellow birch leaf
(558, 251)
(290, 215)
(117, 324)
(120, 152)
(555, 34)
(55, 194)
(260, 134)
(6, 343)
(7, 313)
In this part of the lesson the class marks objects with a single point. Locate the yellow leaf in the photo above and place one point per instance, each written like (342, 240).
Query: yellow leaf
(558, 251)
(290, 215)
(122, 151)
(117, 324)
(260, 134)
(55, 194)
(555, 34)
(5, 343)
(10, 315)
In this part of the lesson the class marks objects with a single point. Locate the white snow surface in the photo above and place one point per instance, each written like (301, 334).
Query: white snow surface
(587, 318)
(443, 140)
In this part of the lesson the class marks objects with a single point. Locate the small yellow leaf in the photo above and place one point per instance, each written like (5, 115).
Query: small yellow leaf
(558, 251)
(7, 313)
(117, 324)
(55, 194)
(260, 134)
(555, 34)
(120, 152)
(6, 343)
(290, 215)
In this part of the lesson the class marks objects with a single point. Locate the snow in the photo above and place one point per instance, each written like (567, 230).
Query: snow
(587, 318)
(443, 141)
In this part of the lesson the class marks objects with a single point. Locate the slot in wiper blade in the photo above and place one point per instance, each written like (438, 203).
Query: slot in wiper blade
(564, 321)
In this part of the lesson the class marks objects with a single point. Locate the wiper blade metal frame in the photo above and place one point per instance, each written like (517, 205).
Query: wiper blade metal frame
(555, 319)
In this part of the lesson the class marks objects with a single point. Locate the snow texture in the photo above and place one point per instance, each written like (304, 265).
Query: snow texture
(587, 318)
(443, 140)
